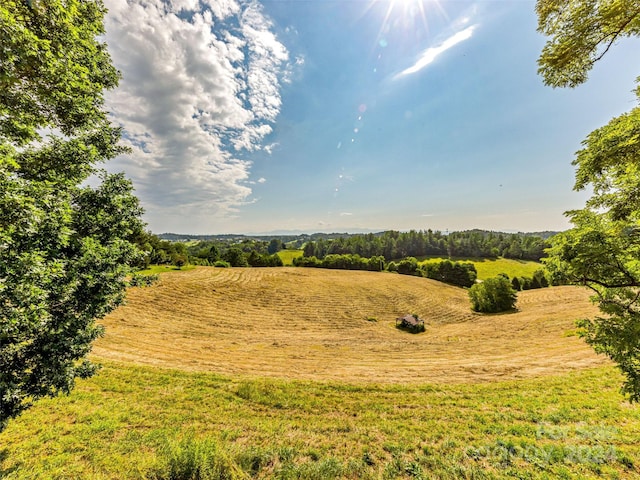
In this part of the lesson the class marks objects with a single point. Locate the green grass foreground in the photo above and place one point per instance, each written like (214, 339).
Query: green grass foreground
(134, 422)
(488, 268)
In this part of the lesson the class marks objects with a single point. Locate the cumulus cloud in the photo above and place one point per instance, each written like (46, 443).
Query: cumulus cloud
(200, 87)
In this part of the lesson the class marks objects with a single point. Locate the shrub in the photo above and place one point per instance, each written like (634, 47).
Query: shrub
(222, 264)
(492, 296)
(408, 266)
(138, 280)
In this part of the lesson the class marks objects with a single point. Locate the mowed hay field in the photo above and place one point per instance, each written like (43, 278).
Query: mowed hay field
(317, 324)
(280, 374)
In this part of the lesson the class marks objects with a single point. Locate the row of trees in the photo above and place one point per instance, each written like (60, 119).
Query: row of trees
(157, 251)
(389, 245)
(343, 262)
(454, 273)
(461, 274)
(393, 245)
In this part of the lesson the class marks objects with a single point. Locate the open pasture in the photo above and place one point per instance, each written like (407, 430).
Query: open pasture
(317, 324)
(488, 267)
(288, 255)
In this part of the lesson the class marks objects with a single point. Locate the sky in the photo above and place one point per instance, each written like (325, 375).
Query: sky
(281, 116)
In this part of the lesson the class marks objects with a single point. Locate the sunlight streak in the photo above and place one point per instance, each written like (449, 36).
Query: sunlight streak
(431, 53)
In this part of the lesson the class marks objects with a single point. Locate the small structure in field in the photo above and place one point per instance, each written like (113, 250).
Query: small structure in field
(412, 323)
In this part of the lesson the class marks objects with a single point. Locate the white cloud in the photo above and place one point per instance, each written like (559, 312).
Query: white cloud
(346, 214)
(200, 85)
(430, 54)
(269, 148)
(262, 180)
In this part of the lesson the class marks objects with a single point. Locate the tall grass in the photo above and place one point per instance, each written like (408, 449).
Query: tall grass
(192, 459)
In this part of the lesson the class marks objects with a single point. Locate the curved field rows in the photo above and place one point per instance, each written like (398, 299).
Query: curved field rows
(313, 324)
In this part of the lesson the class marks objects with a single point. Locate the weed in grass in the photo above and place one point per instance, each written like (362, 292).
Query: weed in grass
(4, 455)
(255, 459)
(192, 459)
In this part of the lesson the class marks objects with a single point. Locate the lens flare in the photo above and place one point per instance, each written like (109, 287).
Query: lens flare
(408, 13)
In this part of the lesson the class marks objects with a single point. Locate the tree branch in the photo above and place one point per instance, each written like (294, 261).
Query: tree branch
(615, 34)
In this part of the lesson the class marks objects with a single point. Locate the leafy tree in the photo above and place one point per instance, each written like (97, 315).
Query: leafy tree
(235, 257)
(275, 245)
(581, 34)
(541, 277)
(493, 295)
(213, 255)
(602, 254)
(602, 249)
(65, 249)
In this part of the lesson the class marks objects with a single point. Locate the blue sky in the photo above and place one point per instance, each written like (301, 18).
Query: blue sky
(310, 115)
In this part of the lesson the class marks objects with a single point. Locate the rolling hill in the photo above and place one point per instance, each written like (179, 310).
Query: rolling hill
(316, 324)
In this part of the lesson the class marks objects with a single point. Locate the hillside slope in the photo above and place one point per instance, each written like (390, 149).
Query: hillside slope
(313, 324)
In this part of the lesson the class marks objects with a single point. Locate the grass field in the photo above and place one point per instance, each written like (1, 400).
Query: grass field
(120, 425)
(488, 268)
(281, 373)
(287, 256)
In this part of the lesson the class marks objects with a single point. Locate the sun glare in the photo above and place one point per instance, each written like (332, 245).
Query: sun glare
(407, 15)
(412, 10)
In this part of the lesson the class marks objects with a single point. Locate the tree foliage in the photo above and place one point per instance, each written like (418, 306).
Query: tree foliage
(396, 245)
(342, 262)
(494, 295)
(65, 248)
(581, 34)
(603, 254)
(461, 274)
(602, 250)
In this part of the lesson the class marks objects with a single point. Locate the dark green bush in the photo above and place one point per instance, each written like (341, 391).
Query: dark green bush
(493, 295)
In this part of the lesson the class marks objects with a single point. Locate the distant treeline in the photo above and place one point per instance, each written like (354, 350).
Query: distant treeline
(389, 245)
(262, 253)
(294, 241)
(245, 253)
(394, 245)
